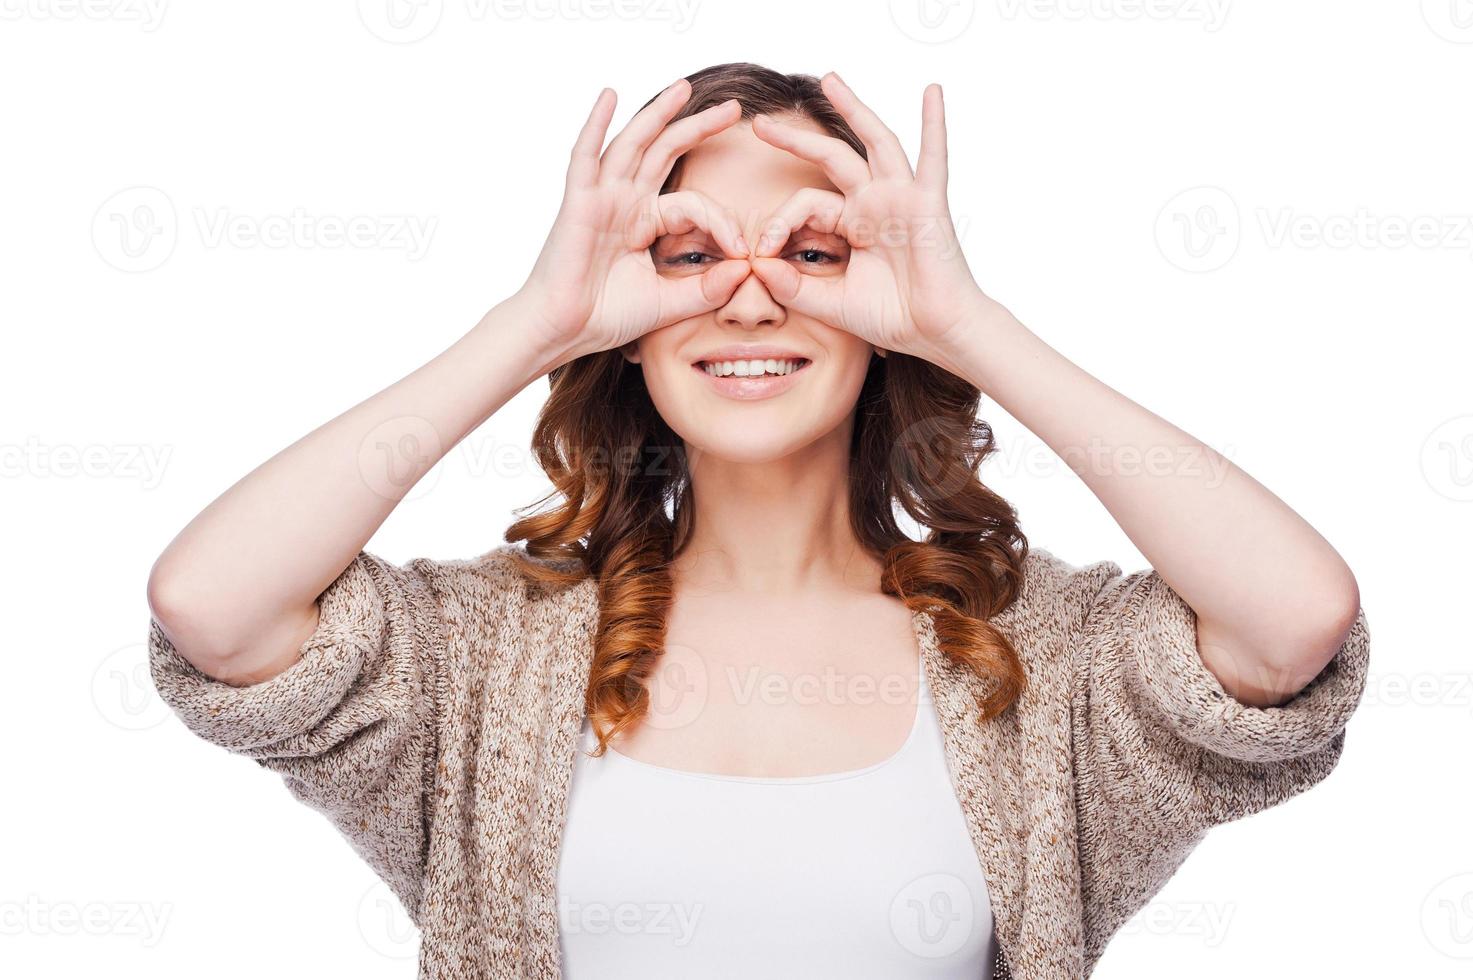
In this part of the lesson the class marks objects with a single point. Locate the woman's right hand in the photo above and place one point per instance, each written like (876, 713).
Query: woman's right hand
(237, 589)
(594, 286)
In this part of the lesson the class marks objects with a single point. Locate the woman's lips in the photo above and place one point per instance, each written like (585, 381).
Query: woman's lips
(751, 388)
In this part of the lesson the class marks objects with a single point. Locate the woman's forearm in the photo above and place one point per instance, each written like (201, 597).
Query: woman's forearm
(1272, 597)
(237, 588)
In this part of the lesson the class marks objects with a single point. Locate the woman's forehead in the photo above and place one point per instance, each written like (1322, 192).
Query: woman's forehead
(737, 170)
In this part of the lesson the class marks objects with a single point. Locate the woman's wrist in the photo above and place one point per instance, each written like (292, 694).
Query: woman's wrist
(971, 347)
(515, 332)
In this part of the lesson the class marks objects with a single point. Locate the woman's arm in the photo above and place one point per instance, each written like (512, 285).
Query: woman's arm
(236, 591)
(1274, 602)
(237, 588)
(1273, 599)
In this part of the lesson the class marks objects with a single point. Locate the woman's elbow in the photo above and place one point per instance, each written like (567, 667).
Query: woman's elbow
(1317, 632)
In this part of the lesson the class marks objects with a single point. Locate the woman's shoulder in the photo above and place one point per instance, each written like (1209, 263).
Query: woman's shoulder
(510, 561)
(1044, 569)
(508, 579)
(1056, 593)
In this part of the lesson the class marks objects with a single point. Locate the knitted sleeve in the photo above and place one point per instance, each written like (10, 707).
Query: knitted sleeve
(352, 725)
(1161, 751)
(1156, 715)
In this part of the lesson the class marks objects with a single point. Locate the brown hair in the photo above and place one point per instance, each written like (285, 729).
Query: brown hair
(626, 507)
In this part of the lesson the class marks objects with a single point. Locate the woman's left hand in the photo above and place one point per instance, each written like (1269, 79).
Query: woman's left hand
(907, 286)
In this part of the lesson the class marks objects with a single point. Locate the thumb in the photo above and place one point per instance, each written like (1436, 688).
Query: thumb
(818, 298)
(693, 295)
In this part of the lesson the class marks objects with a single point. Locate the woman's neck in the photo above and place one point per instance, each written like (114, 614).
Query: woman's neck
(776, 527)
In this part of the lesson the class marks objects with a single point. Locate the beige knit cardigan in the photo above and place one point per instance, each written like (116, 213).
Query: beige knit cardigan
(434, 718)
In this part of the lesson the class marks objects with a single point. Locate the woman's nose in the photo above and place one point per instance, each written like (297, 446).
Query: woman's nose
(751, 306)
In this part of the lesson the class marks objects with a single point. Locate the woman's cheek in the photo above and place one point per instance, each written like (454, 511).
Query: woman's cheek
(669, 398)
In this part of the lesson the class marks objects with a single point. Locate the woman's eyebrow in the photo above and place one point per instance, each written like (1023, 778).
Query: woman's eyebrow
(800, 234)
(695, 235)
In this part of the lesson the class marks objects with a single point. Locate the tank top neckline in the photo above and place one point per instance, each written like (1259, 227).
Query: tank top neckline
(922, 715)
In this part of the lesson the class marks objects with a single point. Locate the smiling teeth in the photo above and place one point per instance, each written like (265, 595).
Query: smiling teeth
(751, 369)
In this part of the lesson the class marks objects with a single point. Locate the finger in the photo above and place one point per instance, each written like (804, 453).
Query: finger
(583, 166)
(691, 296)
(931, 164)
(809, 295)
(623, 154)
(682, 211)
(846, 168)
(886, 156)
(808, 207)
(679, 137)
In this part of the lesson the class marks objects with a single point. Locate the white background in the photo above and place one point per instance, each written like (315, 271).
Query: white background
(1206, 204)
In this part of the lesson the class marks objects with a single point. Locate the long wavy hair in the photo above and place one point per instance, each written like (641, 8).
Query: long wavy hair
(623, 498)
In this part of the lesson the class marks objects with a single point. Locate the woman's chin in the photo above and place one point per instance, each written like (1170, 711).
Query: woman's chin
(752, 447)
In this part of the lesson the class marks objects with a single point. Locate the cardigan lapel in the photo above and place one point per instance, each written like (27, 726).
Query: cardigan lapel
(985, 784)
(567, 684)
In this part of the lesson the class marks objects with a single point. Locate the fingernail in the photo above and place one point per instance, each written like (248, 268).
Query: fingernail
(763, 244)
(741, 244)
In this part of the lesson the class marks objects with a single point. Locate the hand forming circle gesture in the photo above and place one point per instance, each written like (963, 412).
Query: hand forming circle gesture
(594, 285)
(907, 286)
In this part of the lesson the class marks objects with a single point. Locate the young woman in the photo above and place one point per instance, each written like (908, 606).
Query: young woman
(816, 745)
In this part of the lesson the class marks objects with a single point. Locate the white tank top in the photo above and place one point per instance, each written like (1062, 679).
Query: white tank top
(862, 874)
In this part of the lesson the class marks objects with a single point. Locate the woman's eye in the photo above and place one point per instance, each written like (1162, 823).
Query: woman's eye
(686, 258)
(814, 256)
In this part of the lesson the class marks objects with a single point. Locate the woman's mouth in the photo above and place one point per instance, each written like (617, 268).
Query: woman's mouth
(752, 378)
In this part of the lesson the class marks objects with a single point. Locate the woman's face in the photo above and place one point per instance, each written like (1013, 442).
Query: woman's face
(735, 415)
